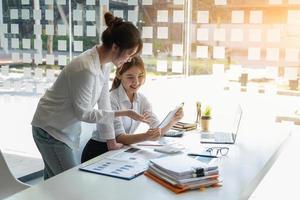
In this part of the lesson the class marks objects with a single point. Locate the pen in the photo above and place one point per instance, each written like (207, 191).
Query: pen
(201, 155)
(154, 145)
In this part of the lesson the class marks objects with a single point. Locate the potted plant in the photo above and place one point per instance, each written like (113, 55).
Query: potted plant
(205, 117)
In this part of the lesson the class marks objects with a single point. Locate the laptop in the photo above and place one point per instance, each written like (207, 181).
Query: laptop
(224, 137)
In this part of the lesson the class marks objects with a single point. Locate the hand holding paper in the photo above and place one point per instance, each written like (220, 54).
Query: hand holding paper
(178, 115)
(177, 112)
(154, 134)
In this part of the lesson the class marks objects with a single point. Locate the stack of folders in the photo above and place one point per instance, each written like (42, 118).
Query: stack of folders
(184, 126)
(182, 173)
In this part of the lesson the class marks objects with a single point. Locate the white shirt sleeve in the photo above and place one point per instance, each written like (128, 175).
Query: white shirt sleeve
(118, 123)
(147, 108)
(81, 84)
(105, 129)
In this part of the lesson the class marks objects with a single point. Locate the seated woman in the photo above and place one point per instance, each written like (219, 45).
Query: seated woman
(124, 95)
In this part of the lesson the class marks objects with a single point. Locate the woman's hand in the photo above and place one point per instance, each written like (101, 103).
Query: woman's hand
(113, 145)
(178, 115)
(147, 117)
(153, 133)
(136, 116)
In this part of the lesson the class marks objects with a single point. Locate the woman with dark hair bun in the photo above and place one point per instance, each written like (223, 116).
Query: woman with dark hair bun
(122, 34)
(82, 84)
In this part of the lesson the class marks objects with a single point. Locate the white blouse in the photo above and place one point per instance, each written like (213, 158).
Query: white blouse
(125, 125)
(72, 97)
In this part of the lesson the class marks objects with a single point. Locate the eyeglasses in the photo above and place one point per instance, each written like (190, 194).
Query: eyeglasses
(218, 151)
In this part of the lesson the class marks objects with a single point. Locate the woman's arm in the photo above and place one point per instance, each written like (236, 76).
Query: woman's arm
(120, 132)
(105, 129)
(151, 134)
(81, 89)
(132, 114)
(127, 139)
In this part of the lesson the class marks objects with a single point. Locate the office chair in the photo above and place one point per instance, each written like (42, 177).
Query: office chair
(9, 185)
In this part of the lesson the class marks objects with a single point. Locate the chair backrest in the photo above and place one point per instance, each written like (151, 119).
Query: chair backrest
(9, 185)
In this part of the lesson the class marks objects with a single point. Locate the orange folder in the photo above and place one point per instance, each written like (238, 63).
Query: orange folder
(173, 188)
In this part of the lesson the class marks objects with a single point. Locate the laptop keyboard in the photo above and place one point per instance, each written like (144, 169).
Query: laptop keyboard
(220, 136)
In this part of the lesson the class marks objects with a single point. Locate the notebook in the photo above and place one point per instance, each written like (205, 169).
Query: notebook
(224, 137)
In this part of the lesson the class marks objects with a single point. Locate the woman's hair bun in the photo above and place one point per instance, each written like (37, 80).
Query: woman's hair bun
(111, 20)
(122, 33)
(117, 21)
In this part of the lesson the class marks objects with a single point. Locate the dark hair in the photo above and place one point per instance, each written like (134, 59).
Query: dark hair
(135, 62)
(124, 34)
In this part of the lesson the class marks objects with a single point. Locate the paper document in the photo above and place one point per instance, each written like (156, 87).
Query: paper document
(126, 164)
(161, 142)
(116, 168)
(170, 149)
(136, 155)
(169, 117)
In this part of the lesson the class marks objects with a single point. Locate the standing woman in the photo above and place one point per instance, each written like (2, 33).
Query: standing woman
(81, 84)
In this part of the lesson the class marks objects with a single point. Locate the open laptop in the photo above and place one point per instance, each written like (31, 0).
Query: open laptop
(224, 137)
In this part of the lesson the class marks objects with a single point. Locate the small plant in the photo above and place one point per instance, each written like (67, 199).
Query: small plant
(205, 118)
(206, 114)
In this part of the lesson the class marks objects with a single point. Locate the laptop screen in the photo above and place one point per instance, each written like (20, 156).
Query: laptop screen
(237, 120)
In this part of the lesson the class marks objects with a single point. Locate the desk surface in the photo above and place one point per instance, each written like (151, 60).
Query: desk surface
(241, 171)
(281, 182)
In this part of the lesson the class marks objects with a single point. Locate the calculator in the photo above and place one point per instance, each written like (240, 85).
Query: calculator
(173, 134)
(168, 149)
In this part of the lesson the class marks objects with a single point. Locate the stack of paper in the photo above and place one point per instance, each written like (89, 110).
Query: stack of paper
(181, 173)
(184, 126)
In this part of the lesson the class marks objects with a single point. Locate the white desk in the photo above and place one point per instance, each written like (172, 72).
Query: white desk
(241, 171)
(281, 182)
